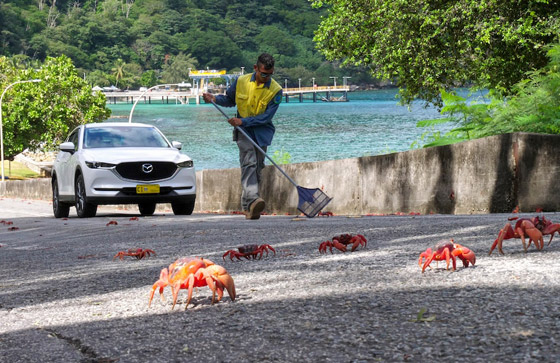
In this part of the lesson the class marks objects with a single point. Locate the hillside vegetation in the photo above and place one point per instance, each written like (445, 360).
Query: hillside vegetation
(134, 43)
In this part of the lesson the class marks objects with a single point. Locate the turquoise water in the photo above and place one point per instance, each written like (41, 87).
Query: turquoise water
(371, 123)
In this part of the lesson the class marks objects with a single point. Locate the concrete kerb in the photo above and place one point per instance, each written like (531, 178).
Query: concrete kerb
(488, 175)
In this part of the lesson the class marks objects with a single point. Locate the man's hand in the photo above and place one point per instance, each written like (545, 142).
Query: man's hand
(234, 121)
(208, 97)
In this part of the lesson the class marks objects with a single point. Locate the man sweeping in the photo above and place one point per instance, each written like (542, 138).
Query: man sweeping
(257, 97)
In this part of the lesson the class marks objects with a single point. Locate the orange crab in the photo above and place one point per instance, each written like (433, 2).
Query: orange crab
(533, 228)
(138, 253)
(447, 250)
(341, 242)
(248, 251)
(524, 227)
(191, 272)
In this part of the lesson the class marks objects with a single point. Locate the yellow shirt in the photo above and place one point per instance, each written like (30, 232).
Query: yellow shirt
(252, 99)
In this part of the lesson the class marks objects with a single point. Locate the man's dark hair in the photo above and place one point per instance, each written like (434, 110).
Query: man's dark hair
(266, 60)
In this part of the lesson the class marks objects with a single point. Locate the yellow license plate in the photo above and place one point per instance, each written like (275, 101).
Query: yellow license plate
(147, 189)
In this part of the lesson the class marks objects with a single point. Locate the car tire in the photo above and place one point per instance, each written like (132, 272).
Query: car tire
(181, 209)
(83, 208)
(60, 209)
(147, 209)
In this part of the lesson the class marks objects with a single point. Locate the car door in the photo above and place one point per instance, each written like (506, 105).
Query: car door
(67, 164)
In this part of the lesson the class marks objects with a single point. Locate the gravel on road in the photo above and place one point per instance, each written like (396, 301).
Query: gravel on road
(64, 298)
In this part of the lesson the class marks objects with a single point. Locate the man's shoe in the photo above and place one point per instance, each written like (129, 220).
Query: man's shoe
(255, 209)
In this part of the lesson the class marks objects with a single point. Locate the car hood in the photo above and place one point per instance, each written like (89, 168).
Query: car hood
(131, 154)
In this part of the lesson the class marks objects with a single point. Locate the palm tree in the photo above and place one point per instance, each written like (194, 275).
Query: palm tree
(118, 70)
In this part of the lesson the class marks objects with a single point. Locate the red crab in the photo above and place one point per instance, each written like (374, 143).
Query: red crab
(248, 251)
(138, 253)
(447, 250)
(190, 272)
(523, 227)
(534, 228)
(112, 223)
(341, 242)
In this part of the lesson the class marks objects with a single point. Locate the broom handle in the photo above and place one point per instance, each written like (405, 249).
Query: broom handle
(256, 145)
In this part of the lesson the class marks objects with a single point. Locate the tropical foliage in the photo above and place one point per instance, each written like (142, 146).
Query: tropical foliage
(42, 113)
(426, 46)
(534, 106)
(118, 41)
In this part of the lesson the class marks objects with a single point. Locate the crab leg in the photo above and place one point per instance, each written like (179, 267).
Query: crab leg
(161, 283)
(551, 229)
(448, 257)
(429, 259)
(204, 274)
(505, 233)
(426, 254)
(189, 282)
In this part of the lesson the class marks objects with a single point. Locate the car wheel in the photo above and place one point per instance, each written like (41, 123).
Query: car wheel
(181, 209)
(60, 209)
(147, 209)
(83, 208)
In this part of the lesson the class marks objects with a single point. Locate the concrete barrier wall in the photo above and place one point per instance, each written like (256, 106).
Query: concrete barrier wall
(489, 175)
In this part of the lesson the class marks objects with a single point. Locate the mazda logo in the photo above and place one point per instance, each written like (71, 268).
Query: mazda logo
(147, 168)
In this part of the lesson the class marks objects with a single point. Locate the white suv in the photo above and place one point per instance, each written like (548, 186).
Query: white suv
(121, 163)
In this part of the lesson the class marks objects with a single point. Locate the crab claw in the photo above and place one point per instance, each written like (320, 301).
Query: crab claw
(465, 254)
(222, 278)
(323, 247)
(529, 229)
(266, 248)
(339, 246)
(358, 240)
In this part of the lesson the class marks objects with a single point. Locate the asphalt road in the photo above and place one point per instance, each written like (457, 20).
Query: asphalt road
(63, 298)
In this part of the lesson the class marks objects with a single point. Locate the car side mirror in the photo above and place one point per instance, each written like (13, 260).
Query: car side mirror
(67, 147)
(177, 145)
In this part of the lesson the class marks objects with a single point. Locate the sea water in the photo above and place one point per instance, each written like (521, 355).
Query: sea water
(370, 123)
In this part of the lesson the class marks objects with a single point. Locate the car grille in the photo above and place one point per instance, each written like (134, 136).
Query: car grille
(139, 170)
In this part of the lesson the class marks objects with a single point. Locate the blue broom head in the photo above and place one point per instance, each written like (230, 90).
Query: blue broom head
(311, 201)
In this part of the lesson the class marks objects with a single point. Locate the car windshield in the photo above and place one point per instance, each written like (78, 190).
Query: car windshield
(123, 136)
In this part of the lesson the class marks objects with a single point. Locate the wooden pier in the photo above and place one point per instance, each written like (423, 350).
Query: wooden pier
(182, 97)
(317, 93)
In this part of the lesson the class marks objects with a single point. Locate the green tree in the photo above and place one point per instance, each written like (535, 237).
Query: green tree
(95, 34)
(118, 71)
(214, 49)
(98, 78)
(41, 114)
(430, 45)
(275, 41)
(133, 74)
(177, 68)
(533, 107)
(148, 79)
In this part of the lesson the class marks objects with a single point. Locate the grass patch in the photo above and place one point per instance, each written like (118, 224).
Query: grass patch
(18, 171)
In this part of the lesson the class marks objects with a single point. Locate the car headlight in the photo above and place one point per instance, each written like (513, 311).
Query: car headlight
(186, 164)
(99, 165)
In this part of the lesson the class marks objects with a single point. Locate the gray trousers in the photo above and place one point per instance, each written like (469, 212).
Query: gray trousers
(252, 164)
